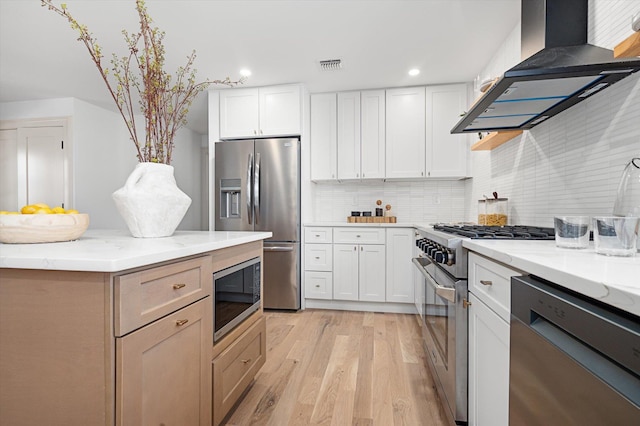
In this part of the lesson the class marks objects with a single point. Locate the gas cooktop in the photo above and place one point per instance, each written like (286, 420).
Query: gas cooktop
(519, 232)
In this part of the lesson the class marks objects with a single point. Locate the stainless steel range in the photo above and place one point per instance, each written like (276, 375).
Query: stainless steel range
(442, 263)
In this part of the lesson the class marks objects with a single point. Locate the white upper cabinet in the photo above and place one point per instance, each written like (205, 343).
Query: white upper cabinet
(349, 135)
(324, 137)
(264, 111)
(372, 137)
(405, 144)
(446, 153)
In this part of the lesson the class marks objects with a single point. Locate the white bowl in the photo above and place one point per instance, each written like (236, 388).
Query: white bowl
(42, 228)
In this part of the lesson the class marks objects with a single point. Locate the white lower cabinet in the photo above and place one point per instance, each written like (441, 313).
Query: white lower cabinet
(399, 286)
(359, 272)
(489, 314)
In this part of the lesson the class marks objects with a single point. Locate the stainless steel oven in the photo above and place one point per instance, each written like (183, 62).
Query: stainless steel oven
(444, 328)
(236, 295)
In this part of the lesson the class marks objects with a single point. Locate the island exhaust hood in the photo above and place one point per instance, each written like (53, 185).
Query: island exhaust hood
(559, 71)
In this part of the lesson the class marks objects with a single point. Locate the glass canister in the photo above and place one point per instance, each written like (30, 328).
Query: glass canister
(493, 211)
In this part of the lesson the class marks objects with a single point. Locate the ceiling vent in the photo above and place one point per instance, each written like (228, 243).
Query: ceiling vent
(331, 65)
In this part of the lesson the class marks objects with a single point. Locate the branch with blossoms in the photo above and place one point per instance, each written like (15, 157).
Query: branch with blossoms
(164, 104)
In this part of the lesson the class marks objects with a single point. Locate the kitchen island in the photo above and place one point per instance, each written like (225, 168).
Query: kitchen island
(111, 329)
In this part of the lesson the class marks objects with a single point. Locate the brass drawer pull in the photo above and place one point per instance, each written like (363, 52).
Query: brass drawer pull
(178, 286)
(181, 322)
(486, 282)
(246, 361)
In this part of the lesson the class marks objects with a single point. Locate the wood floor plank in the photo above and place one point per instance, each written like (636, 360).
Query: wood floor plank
(341, 368)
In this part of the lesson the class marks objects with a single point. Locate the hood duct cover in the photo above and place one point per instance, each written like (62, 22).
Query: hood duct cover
(564, 71)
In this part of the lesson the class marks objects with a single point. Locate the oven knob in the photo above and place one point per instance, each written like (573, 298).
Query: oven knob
(432, 251)
(441, 257)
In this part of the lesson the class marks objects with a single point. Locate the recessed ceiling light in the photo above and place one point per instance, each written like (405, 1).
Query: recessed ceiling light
(414, 72)
(245, 72)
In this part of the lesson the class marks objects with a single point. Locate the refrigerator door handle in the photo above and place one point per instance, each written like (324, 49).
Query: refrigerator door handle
(278, 248)
(249, 181)
(256, 189)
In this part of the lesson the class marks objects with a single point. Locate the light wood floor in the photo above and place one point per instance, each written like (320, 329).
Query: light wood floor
(341, 368)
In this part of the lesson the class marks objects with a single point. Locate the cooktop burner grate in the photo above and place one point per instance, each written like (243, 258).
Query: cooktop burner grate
(498, 232)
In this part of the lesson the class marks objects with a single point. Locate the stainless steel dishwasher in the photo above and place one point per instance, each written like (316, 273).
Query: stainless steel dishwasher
(573, 361)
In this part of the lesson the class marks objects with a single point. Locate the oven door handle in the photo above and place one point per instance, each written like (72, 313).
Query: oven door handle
(444, 292)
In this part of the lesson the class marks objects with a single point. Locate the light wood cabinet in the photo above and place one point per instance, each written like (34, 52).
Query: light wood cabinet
(163, 371)
(489, 316)
(405, 144)
(324, 137)
(264, 111)
(446, 154)
(235, 368)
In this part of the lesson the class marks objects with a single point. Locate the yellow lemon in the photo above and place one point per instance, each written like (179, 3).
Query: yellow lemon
(71, 211)
(4, 212)
(41, 205)
(13, 212)
(57, 210)
(28, 209)
(43, 210)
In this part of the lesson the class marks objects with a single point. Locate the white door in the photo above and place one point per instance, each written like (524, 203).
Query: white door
(349, 135)
(45, 165)
(239, 113)
(324, 136)
(446, 153)
(400, 270)
(280, 110)
(405, 145)
(345, 271)
(9, 170)
(488, 366)
(372, 135)
(372, 273)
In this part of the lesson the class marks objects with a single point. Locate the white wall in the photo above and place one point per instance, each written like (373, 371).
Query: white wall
(573, 162)
(104, 155)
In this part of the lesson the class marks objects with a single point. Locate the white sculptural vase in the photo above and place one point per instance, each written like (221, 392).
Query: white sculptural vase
(150, 202)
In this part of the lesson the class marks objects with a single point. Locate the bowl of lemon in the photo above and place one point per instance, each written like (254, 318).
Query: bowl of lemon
(39, 223)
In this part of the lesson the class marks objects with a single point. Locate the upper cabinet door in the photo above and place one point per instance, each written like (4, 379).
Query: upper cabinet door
(349, 135)
(280, 110)
(324, 136)
(372, 146)
(239, 113)
(446, 153)
(405, 145)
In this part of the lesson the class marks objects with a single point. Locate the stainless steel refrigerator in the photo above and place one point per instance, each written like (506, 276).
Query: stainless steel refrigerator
(257, 188)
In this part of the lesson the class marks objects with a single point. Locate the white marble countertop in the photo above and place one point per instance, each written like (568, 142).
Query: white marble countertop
(612, 280)
(114, 250)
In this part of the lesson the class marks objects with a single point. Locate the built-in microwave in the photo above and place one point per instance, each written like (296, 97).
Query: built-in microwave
(236, 295)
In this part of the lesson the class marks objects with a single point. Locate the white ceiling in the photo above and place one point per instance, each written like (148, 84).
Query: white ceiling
(280, 41)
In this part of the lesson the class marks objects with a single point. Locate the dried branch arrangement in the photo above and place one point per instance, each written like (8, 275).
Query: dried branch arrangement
(164, 100)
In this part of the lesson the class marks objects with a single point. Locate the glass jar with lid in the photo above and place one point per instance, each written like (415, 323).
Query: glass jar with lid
(493, 211)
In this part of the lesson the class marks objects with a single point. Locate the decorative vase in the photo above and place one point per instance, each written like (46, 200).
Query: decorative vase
(150, 202)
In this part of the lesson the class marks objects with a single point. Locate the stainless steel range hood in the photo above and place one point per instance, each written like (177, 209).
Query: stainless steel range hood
(559, 71)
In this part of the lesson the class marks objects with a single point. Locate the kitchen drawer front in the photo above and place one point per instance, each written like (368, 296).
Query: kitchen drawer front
(236, 367)
(359, 235)
(491, 282)
(318, 257)
(318, 285)
(320, 235)
(144, 296)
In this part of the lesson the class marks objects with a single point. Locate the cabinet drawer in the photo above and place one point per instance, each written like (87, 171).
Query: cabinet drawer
(318, 285)
(318, 257)
(145, 296)
(491, 282)
(359, 235)
(318, 235)
(235, 368)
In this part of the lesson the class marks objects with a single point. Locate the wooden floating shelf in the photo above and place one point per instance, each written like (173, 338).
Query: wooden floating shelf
(628, 47)
(495, 139)
(371, 219)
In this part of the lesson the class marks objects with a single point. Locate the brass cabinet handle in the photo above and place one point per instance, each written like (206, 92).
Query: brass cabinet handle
(181, 322)
(466, 303)
(178, 286)
(486, 282)
(246, 361)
